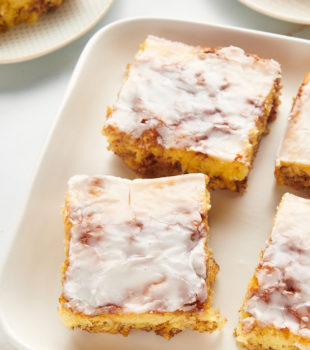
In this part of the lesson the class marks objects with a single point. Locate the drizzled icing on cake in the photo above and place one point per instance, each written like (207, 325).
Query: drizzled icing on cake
(137, 245)
(282, 299)
(296, 146)
(201, 101)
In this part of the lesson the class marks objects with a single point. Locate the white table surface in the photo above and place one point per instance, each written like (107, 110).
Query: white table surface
(31, 94)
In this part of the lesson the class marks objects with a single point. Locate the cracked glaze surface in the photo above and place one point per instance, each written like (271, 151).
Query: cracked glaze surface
(137, 245)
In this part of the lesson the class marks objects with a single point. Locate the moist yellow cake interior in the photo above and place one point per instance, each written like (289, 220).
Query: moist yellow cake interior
(295, 174)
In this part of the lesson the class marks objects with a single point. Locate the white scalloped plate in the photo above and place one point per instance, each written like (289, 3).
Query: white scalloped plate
(53, 30)
(239, 223)
(296, 11)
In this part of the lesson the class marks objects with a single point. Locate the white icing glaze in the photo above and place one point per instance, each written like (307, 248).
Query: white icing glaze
(139, 244)
(296, 143)
(204, 102)
(282, 299)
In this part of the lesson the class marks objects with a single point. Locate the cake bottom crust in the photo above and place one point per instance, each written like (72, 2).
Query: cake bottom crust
(164, 324)
(294, 175)
(270, 338)
(150, 160)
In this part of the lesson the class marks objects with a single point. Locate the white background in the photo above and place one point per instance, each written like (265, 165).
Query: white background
(32, 92)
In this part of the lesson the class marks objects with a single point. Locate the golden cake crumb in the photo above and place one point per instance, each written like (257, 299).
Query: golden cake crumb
(15, 12)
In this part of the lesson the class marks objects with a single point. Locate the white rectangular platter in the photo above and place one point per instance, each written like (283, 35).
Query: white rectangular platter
(239, 223)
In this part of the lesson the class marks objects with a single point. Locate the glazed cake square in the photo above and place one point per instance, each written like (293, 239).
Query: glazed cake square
(293, 161)
(276, 311)
(137, 255)
(190, 109)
